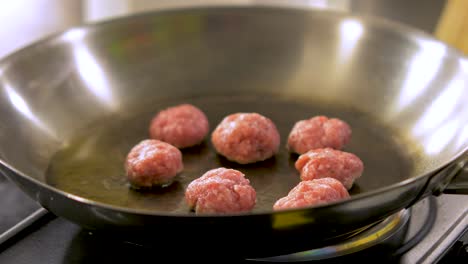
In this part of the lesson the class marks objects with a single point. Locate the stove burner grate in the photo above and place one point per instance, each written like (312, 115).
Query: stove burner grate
(388, 235)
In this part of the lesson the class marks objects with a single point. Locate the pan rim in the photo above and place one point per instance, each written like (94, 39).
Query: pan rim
(365, 20)
(356, 197)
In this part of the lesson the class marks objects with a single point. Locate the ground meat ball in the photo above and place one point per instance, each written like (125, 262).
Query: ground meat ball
(246, 138)
(318, 132)
(181, 126)
(330, 163)
(221, 191)
(314, 192)
(153, 163)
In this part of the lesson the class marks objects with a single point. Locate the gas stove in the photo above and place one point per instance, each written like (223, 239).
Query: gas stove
(432, 231)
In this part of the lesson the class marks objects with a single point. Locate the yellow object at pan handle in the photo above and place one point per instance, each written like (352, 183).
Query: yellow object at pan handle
(452, 26)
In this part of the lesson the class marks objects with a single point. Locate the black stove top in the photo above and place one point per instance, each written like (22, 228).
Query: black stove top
(14, 205)
(45, 238)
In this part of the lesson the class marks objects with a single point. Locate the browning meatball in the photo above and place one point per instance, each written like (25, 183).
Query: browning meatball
(221, 191)
(246, 138)
(330, 163)
(153, 163)
(318, 132)
(181, 126)
(314, 192)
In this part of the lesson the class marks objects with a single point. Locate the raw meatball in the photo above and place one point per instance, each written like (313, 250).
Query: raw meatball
(314, 192)
(330, 163)
(152, 163)
(246, 138)
(181, 126)
(221, 191)
(318, 132)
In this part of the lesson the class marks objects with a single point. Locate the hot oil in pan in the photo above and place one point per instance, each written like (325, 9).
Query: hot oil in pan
(91, 166)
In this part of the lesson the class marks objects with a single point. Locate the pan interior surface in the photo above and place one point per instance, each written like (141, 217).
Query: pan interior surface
(91, 164)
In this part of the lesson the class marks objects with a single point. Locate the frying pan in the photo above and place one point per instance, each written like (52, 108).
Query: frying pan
(73, 105)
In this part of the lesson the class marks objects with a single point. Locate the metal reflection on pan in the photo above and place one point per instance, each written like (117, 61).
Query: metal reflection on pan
(94, 77)
(22, 107)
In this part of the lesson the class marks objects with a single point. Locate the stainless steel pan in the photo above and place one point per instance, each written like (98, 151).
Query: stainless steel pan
(74, 104)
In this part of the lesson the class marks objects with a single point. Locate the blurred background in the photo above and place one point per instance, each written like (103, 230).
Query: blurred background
(25, 21)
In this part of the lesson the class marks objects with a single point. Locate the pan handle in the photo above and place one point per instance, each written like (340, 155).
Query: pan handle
(458, 184)
(455, 180)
